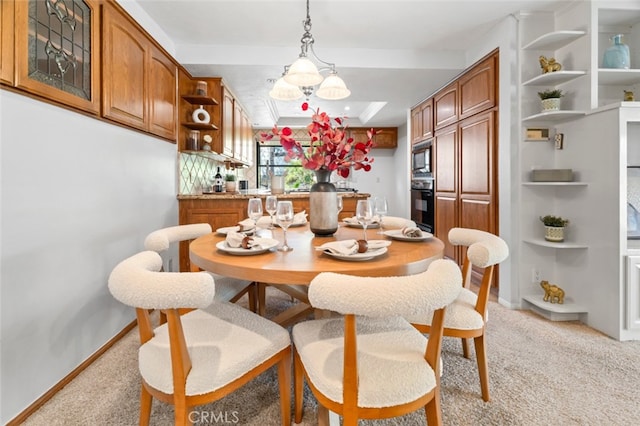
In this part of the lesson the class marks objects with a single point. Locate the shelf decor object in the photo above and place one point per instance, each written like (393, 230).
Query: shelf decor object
(552, 175)
(554, 228)
(550, 99)
(616, 55)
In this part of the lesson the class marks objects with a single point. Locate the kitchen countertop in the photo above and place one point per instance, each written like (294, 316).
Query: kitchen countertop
(260, 194)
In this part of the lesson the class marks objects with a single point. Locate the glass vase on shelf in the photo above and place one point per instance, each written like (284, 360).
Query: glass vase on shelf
(617, 55)
(323, 220)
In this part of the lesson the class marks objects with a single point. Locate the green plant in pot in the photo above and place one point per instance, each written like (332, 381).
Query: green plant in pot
(554, 227)
(550, 99)
(230, 182)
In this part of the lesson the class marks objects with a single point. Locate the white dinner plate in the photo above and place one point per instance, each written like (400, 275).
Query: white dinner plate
(293, 225)
(396, 234)
(266, 244)
(226, 230)
(367, 255)
(352, 224)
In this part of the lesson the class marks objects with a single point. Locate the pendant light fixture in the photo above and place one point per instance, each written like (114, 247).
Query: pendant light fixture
(300, 77)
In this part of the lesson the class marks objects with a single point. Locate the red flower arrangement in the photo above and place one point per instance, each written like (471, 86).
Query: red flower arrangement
(329, 147)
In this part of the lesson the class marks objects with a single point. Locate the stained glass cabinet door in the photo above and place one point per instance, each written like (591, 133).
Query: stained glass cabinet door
(58, 51)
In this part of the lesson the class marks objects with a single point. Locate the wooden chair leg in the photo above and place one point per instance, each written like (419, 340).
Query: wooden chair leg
(298, 384)
(145, 407)
(433, 410)
(465, 348)
(182, 414)
(284, 385)
(262, 288)
(349, 419)
(483, 368)
(253, 295)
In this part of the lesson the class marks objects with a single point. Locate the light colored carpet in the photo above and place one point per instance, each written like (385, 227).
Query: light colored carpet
(542, 373)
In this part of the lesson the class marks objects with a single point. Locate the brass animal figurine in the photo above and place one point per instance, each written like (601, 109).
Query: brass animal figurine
(552, 293)
(549, 65)
(628, 96)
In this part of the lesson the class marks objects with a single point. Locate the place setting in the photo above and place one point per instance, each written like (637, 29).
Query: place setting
(355, 250)
(409, 233)
(238, 243)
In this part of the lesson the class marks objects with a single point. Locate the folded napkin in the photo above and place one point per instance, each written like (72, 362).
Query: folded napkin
(348, 247)
(412, 232)
(234, 240)
(394, 222)
(300, 217)
(246, 225)
(354, 220)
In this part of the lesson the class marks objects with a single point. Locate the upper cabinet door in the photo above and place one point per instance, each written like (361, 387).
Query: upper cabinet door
(427, 119)
(163, 98)
(445, 104)
(124, 85)
(227, 123)
(58, 50)
(477, 88)
(6, 41)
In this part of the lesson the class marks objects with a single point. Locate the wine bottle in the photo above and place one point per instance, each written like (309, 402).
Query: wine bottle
(218, 182)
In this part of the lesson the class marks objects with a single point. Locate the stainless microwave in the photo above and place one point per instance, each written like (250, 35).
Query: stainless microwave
(421, 160)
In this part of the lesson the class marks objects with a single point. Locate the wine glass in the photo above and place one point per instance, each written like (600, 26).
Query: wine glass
(284, 218)
(254, 210)
(364, 214)
(270, 206)
(380, 207)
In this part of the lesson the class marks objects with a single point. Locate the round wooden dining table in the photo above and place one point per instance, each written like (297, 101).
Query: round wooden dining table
(292, 271)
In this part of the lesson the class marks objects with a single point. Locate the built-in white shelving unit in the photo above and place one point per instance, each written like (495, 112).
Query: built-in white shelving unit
(588, 265)
(553, 116)
(553, 40)
(554, 78)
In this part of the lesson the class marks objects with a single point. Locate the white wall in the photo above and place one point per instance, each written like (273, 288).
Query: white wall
(78, 195)
(389, 176)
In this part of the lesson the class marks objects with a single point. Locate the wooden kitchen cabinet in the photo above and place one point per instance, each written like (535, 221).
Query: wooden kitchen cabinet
(140, 80)
(163, 99)
(477, 88)
(422, 121)
(221, 210)
(385, 137)
(7, 40)
(41, 63)
(227, 122)
(445, 158)
(445, 105)
(465, 178)
(238, 131)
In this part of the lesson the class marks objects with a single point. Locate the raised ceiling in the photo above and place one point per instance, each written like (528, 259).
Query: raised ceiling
(391, 54)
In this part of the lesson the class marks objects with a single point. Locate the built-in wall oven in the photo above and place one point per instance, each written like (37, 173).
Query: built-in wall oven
(422, 196)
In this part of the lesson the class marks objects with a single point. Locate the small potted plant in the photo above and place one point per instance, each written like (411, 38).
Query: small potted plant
(550, 99)
(230, 183)
(554, 227)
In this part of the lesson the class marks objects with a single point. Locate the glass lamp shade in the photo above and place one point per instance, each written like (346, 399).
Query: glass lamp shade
(333, 88)
(284, 91)
(303, 72)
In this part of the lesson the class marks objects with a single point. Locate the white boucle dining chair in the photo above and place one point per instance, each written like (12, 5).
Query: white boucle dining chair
(199, 356)
(371, 363)
(468, 314)
(227, 289)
